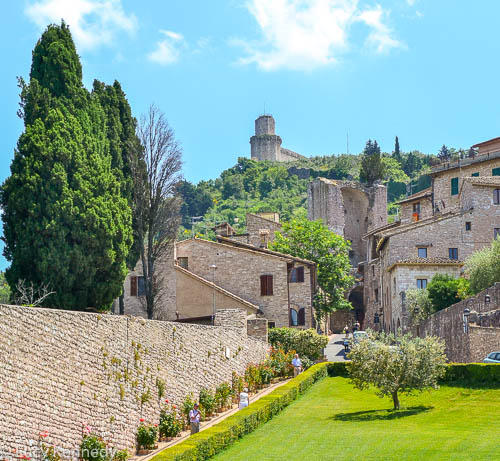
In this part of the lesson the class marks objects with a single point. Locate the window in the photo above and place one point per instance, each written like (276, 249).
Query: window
(183, 262)
(266, 285)
(421, 283)
(416, 207)
(422, 252)
(373, 270)
(137, 287)
(293, 318)
(496, 196)
(271, 325)
(297, 275)
(496, 232)
(141, 288)
(495, 172)
(454, 186)
(301, 317)
(475, 175)
(376, 295)
(453, 253)
(468, 226)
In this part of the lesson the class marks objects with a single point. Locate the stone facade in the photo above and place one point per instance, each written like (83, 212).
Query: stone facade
(349, 209)
(261, 228)
(439, 228)
(61, 370)
(463, 345)
(266, 145)
(239, 268)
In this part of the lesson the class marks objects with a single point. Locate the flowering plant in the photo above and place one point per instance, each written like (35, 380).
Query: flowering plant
(170, 422)
(146, 435)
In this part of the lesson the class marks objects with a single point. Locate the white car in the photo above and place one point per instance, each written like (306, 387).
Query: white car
(358, 336)
(493, 357)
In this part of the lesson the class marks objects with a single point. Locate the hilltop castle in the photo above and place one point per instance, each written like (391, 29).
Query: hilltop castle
(266, 144)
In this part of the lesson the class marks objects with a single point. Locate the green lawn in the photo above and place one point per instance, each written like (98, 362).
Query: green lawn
(333, 421)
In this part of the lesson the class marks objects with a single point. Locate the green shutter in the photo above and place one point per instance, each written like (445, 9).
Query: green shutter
(454, 186)
(495, 172)
(475, 175)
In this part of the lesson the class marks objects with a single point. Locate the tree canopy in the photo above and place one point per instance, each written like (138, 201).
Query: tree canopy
(313, 241)
(66, 221)
(397, 365)
(483, 267)
(372, 166)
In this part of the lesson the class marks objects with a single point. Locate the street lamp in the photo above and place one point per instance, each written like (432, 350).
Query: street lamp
(213, 267)
(487, 299)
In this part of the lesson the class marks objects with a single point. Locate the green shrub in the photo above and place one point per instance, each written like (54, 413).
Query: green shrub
(93, 448)
(207, 400)
(443, 291)
(146, 436)
(213, 440)
(170, 423)
(121, 455)
(473, 373)
(187, 406)
(337, 369)
(306, 343)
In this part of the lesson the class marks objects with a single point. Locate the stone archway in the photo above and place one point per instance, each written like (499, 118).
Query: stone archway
(356, 299)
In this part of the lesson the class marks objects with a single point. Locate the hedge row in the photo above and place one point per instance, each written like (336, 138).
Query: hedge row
(216, 438)
(473, 373)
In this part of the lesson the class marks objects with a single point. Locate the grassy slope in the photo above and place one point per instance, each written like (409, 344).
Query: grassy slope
(334, 422)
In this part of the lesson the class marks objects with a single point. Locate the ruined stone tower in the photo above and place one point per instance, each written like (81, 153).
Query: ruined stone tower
(266, 144)
(349, 209)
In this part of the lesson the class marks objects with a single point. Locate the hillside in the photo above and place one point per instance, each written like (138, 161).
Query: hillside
(252, 186)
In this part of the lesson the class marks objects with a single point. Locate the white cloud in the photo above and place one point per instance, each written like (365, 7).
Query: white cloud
(411, 2)
(380, 38)
(168, 49)
(92, 22)
(304, 34)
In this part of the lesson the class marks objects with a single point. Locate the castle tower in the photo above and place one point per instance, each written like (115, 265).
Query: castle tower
(265, 145)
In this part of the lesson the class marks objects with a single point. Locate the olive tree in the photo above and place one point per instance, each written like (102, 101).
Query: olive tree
(397, 366)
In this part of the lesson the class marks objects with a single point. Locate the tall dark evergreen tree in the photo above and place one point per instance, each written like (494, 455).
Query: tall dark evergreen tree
(123, 142)
(66, 221)
(397, 152)
(372, 167)
(444, 153)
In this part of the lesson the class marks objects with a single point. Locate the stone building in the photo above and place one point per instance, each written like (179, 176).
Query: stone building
(351, 210)
(266, 144)
(238, 271)
(439, 228)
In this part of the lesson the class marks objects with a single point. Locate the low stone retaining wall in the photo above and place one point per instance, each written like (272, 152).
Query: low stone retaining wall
(63, 370)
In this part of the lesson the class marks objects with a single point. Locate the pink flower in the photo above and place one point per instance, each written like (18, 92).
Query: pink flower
(141, 420)
(44, 434)
(166, 400)
(174, 407)
(156, 425)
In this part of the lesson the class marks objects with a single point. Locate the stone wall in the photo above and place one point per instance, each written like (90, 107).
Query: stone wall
(479, 341)
(260, 230)
(60, 370)
(257, 328)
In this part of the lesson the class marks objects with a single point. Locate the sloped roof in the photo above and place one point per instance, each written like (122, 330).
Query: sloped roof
(217, 288)
(263, 250)
(427, 262)
(484, 143)
(488, 181)
(419, 195)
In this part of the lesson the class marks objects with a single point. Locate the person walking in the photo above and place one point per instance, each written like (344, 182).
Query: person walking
(346, 330)
(194, 419)
(357, 326)
(297, 365)
(244, 399)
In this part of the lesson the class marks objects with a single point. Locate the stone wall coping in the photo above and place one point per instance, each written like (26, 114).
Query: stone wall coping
(454, 164)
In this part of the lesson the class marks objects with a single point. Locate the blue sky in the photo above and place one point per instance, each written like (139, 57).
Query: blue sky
(424, 70)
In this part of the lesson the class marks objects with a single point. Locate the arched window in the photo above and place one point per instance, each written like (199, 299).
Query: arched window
(301, 317)
(293, 317)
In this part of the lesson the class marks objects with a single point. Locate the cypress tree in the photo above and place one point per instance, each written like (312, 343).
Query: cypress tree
(372, 167)
(66, 222)
(397, 151)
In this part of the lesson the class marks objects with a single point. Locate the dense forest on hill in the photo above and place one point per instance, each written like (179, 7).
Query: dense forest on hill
(252, 186)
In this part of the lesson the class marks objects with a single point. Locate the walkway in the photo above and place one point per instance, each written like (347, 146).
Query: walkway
(334, 351)
(205, 425)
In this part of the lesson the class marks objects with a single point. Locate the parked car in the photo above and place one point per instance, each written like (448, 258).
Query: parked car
(358, 336)
(493, 357)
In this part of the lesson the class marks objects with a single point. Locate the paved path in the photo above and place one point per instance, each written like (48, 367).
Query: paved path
(334, 351)
(205, 425)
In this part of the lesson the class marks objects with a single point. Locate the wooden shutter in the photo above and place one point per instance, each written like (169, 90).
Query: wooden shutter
(133, 285)
(495, 172)
(454, 186)
(300, 274)
(266, 285)
(301, 317)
